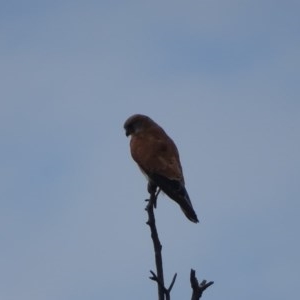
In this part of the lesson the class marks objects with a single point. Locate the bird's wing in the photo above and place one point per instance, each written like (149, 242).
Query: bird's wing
(156, 153)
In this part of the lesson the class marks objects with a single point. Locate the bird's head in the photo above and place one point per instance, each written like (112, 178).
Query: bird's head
(136, 123)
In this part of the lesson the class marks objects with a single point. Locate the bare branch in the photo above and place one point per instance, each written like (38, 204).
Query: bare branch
(198, 289)
(163, 292)
(167, 292)
(159, 278)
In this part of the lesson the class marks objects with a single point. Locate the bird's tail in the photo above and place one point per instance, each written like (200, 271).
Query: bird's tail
(176, 191)
(187, 208)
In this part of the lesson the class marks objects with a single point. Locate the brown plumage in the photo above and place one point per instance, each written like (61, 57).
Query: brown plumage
(157, 156)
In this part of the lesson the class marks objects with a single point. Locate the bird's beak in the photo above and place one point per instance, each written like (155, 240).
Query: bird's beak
(127, 132)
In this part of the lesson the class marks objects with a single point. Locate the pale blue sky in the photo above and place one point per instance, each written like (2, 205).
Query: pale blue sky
(222, 78)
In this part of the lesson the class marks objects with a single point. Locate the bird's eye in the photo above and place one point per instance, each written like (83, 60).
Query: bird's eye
(131, 128)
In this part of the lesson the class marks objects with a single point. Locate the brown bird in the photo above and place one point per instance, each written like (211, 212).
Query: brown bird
(157, 156)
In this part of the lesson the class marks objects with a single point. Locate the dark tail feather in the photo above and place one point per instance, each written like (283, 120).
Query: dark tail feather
(187, 208)
(177, 192)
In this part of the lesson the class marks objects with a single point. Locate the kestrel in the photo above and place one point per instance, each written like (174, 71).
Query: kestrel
(157, 156)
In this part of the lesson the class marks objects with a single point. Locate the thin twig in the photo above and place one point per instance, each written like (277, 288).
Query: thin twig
(172, 282)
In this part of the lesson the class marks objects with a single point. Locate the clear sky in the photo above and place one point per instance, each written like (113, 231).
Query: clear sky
(221, 77)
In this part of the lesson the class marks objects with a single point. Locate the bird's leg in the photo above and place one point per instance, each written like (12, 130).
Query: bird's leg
(152, 190)
(151, 187)
(157, 192)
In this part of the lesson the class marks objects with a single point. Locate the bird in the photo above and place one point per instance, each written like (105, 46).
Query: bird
(158, 158)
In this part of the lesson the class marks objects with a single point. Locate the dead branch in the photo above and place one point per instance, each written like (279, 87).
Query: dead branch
(158, 277)
(198, 288)
(163, 292)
